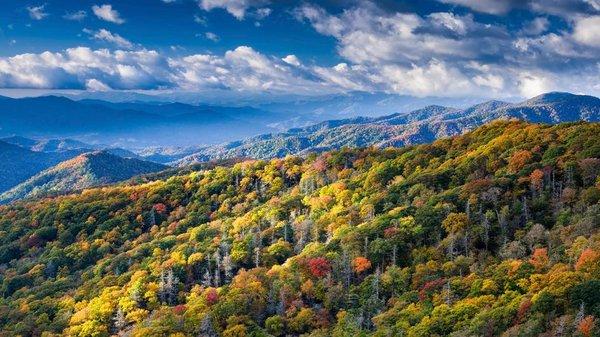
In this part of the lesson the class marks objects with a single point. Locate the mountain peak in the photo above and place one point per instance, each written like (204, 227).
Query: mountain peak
(554, 97)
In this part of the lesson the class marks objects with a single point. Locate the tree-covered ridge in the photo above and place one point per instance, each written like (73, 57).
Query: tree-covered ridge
(402, 129)
(84, 171)
(491, 233)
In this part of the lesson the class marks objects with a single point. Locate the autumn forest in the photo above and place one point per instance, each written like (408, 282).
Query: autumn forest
(492, 233)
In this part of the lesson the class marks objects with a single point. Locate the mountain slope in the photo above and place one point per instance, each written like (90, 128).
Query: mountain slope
(492, 233)
(415, 127)
(83, 171)
(18, 164)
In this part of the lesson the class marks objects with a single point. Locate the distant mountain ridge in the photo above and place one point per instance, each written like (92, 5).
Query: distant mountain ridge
(18, 163)
(21, 157)
(84, 171)
(419, 126)
(130, 124)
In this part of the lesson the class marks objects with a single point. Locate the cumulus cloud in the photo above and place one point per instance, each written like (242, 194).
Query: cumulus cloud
(37, 12)
(448, 54)
(237, 8)
(105, 35)
(244, 69)
(240, 69)
(587, 31)
(107, 13)
(531, 85)
(94, 85)
(75, 67)
(367, 35)
(441, 53)
(565, 8)
(292, 60)
(75, 16)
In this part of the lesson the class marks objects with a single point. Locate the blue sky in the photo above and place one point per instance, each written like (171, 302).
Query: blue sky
(454, 48)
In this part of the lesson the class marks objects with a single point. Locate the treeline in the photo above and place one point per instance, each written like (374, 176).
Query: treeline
(494, 233)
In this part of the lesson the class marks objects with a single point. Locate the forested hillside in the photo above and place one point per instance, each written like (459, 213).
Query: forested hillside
(84, 171)
(491, 233)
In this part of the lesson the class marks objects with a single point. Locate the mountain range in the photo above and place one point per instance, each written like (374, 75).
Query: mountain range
(38, 166)
(415, 127)
(130, 124)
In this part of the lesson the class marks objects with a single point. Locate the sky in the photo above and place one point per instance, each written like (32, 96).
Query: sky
(443, 48)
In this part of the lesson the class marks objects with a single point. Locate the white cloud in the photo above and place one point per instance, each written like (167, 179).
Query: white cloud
(37, 12)
(531, 85)
(442, 54)
(95, 85)
(244, 69)
(587, 31)
(240, 69)
(105, 35)
(200, 20)
(107, 13)
(237, 8)
(565, 8)
(450, 21)
(485, 6)
(367, 36)
(212, 36)
(448, 54)
(75, 16)
(494, 82)
(262, 13)
(292, 60)
(435, 78)
(536, 27)
(73, 68)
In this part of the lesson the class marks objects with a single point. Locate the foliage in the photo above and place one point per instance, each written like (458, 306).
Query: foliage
(491, 233)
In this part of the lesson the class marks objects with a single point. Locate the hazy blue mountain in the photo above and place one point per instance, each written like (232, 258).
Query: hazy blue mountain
(24, 157)
(18, 163)
(419, 126)
(49, 115)
(27, 143)
(131, 125)
(166, 154)
(84, 171)
(361, 104)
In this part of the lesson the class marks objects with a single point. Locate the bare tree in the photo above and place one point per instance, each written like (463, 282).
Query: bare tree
(119, 321)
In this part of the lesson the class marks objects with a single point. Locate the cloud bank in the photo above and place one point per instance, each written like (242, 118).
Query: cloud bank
(441, 54)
